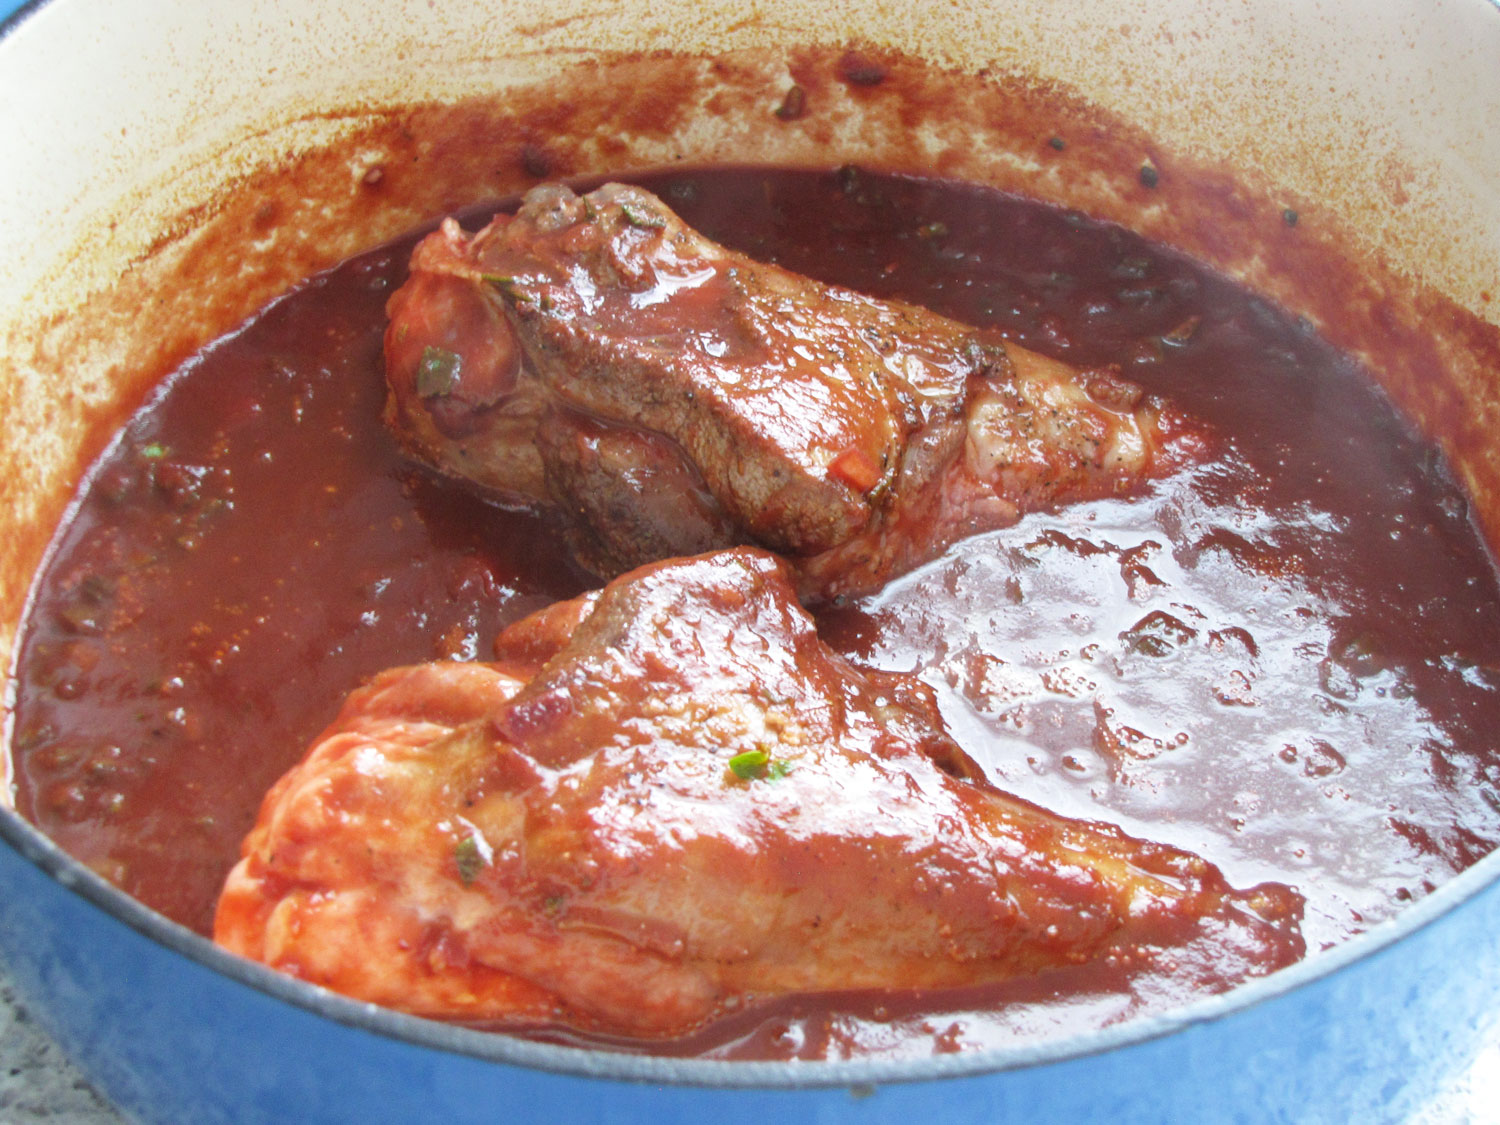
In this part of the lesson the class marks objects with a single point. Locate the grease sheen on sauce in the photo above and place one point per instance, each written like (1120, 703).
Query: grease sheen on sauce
(1286, 659)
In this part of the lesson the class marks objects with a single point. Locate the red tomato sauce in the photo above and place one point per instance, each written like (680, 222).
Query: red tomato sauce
(1286, 659)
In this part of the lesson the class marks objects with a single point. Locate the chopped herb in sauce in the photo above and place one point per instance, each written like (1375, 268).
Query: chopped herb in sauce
(437, 373)
(508, 287)
(640, 217)
(470, 860)
(757, 765)
(794, 105)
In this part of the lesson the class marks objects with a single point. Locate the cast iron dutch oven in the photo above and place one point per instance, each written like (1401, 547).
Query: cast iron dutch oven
(119, 117)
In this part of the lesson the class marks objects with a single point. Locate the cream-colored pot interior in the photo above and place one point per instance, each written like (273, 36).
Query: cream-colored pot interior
(169, 165)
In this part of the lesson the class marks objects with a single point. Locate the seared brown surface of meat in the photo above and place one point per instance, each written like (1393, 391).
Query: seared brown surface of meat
(668, 798)
(856, 436)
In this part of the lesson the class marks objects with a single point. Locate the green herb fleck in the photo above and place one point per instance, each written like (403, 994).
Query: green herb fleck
(794, 105)
(470, 862)
(154, 452)
(637, 217)
(1289, 217)
(756, 765)
(509, 287)
(1149, 176)
(504, 282)
(1058, 143)
(749, 765)
(437, 372)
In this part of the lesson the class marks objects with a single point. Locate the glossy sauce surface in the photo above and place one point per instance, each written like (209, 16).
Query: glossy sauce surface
(1286, 659)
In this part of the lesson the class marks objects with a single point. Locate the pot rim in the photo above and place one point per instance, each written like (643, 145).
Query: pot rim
(587, 1062)
(21, 12)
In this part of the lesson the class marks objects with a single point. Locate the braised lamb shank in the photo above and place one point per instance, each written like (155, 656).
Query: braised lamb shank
(669, 396)
(668, 798)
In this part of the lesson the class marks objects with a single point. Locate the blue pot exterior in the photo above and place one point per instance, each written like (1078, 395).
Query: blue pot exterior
(170, 1038)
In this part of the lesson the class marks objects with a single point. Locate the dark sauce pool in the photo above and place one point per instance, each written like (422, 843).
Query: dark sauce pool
(1286, 659)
